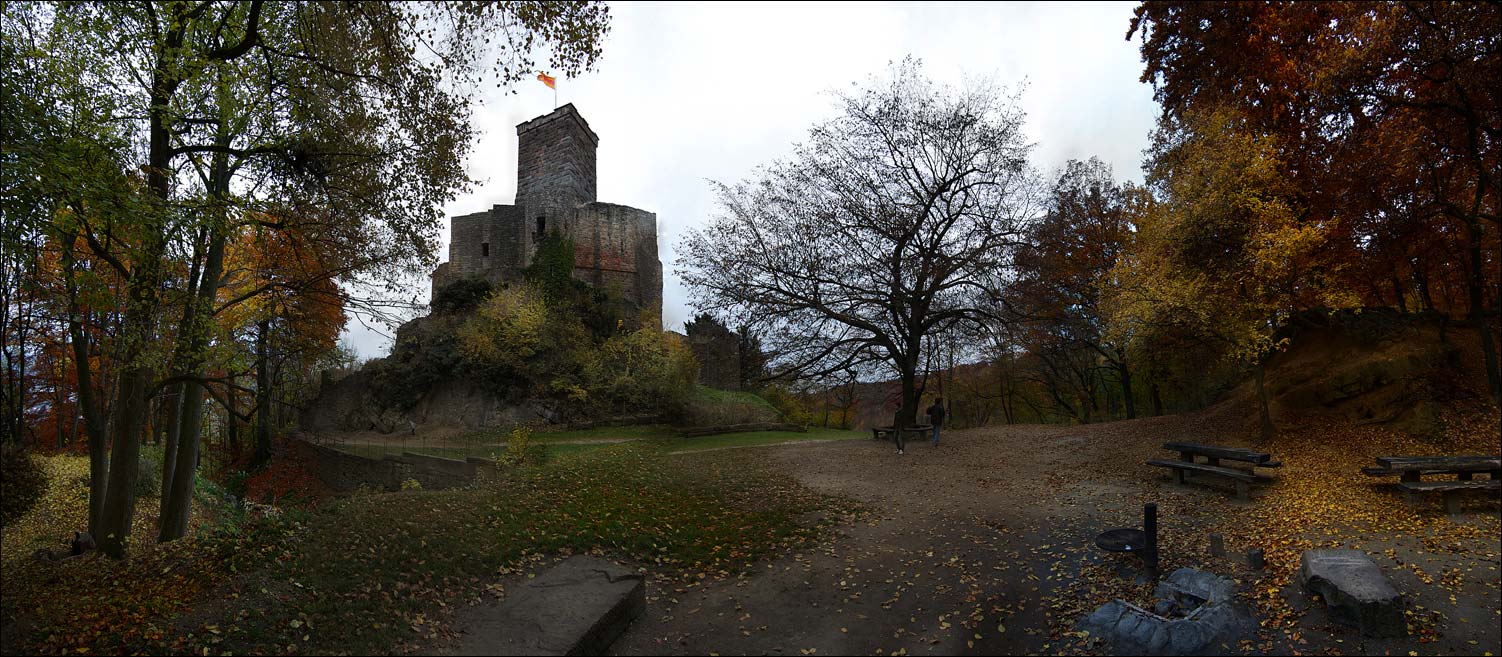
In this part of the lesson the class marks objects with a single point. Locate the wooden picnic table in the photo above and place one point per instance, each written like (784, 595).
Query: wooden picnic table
(919, 429)
(1213, 455)
(1411, 471)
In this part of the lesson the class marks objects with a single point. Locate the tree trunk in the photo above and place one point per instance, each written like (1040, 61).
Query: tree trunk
(1422, 282)
(1267, 430)
(907, 413)
(140, 315)
(88, 403)
(1476, 293)
(178, 505)
(1126, 389)
(1157, 399)
(173, 403)
(232, 421)
(263, 399)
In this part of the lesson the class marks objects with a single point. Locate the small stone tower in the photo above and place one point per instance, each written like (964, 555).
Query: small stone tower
(615, 246)
(555, 160)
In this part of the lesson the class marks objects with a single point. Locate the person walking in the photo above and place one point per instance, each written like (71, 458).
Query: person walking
(936, 417)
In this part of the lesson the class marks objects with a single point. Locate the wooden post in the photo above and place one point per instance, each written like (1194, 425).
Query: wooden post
(1452, 502)
(1256, 559)
(1463, 476)
(1150, 527)
(1409, 475)
(1243, 491)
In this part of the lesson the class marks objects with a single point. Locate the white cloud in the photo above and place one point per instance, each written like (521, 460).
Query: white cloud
(689, 92)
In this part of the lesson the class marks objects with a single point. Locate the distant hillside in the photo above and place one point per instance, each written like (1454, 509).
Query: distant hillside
(1375, 367)
(1407, 373)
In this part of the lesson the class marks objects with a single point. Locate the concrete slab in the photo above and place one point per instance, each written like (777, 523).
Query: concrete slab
(1356, 591)
(577, 607)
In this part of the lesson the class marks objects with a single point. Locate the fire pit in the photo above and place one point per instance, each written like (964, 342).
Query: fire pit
(1142, 541)
(1196, 611)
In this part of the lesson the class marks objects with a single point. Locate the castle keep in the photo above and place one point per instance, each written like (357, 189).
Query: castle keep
(615, 246)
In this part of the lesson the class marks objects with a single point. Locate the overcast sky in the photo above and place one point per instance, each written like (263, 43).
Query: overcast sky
(686, 93)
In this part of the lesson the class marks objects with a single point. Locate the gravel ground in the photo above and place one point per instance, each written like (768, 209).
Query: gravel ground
(983, 545)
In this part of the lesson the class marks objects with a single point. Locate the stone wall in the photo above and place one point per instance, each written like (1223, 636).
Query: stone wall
(719, 354)
(343, 472)
(555, 163)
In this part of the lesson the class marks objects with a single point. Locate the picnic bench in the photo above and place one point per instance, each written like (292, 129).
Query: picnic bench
(1213, 455)
(920, 430)
(1411, 471)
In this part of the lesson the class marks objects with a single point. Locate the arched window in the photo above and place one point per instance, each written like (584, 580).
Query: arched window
(542, 225)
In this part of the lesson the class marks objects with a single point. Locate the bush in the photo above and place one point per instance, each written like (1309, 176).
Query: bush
(22, 482)
(521, 449)
(411, 484)
(640, 370)
(460, 296)
(149, 479)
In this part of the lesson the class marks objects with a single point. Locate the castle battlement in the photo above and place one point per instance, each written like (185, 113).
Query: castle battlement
(615, 246)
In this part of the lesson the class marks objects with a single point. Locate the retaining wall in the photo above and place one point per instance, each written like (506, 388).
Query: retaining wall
(344, 472)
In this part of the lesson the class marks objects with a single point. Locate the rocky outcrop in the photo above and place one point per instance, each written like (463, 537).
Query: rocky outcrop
(1355, 590)
(349, 404)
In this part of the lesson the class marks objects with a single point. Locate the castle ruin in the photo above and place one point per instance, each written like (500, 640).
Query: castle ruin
(615, 246)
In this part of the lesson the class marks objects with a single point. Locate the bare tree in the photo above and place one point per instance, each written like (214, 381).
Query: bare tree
(895, 221)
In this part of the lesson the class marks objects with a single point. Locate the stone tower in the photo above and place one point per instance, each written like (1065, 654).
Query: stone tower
(555, 160)
(615, 246)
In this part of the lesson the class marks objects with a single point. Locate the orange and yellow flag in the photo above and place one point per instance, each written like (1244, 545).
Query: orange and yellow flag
(548, 80)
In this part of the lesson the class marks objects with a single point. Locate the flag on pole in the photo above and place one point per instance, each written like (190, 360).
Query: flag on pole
(548, 80)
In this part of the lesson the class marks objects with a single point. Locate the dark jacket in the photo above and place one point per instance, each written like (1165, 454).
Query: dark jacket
(936, 415)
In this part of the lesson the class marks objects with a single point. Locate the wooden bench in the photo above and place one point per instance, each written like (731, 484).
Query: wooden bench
(1242, 478)
(920, 430)
(1450, 489)
(1213, 455)
(1411, 471)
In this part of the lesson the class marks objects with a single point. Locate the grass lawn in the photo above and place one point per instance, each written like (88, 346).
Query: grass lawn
(376, 573)
(482, 451)
(558, 443)
(753, 438)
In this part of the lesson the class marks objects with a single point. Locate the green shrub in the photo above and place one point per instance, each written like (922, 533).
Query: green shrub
(460, 296)
(522, 449)
(149, 474)
(22, 482)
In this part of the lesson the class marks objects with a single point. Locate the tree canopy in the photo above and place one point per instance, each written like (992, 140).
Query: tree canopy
(895, 220)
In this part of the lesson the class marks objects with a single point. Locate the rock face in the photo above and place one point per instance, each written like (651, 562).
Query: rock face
(579, 607)
(349, 405)
(1356, 591)
(1213, 622)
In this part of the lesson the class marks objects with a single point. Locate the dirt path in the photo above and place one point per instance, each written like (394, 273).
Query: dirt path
(955, 557)
(982, 545)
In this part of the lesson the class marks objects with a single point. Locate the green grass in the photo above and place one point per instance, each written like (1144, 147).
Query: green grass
(481, 451)
(632, 432)
(717, 396)
(370, 574)
(635, 432)
(753, 438)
